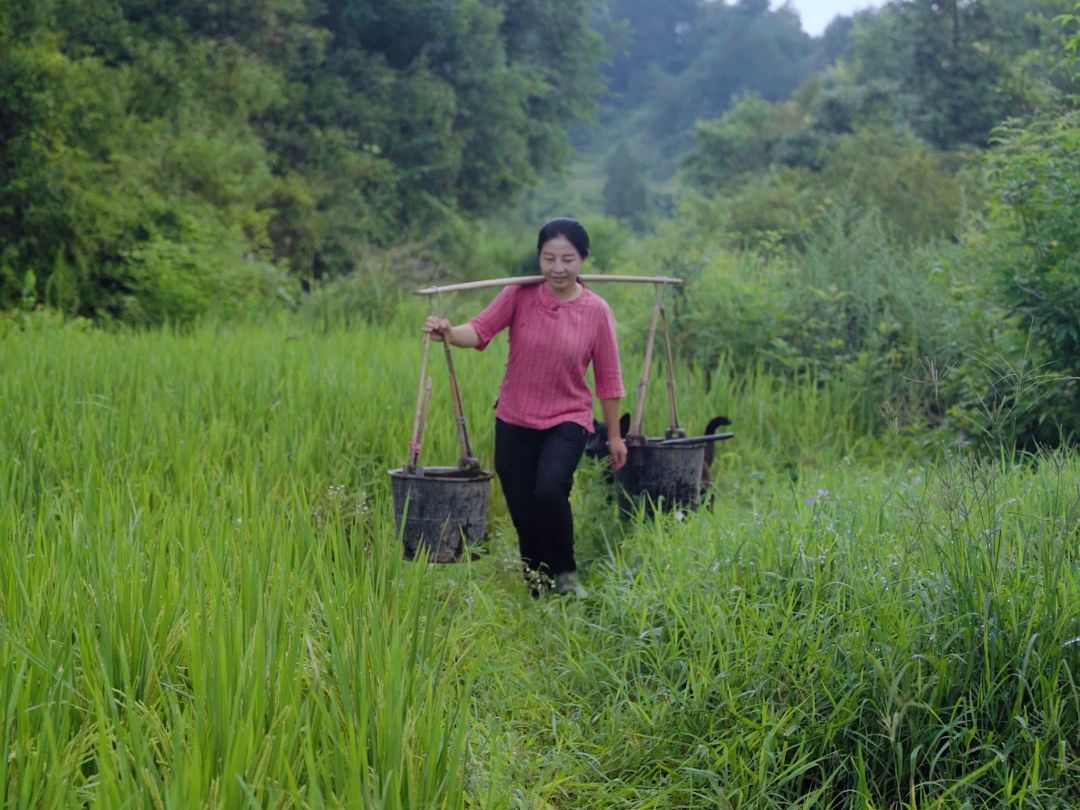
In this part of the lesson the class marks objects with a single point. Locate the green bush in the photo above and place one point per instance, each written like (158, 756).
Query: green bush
(1036, 178)
(179, 281)
(1029, 254)
(920, 191)
(852, 309)
(375, 293)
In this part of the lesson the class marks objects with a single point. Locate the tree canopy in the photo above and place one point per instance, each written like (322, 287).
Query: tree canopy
(146, 146)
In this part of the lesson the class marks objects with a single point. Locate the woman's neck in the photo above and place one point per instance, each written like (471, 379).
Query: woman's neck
(568, 293)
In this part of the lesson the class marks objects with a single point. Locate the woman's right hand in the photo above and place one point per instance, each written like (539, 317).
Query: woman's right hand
(437, 327)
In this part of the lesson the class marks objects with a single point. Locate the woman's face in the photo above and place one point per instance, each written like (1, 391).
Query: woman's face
(560, 264)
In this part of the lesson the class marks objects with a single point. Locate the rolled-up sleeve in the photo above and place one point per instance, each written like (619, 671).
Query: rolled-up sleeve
(494, 317)
(606, 371)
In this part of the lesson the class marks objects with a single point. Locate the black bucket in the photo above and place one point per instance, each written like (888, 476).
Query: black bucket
(444, 510)
(666, 476)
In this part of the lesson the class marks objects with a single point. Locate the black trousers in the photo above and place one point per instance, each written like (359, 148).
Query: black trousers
(536, 470)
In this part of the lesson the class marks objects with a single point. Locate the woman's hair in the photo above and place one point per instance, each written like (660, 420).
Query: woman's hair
(573, 230)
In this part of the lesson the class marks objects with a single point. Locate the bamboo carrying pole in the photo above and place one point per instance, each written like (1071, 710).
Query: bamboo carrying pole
(515, 280)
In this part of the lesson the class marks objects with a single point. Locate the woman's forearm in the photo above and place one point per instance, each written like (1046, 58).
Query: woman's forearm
(610, 409)
(616, 445)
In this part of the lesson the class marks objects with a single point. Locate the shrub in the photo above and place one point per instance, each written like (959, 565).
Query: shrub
(1036, 179)
(1023, 392)
(851, 309)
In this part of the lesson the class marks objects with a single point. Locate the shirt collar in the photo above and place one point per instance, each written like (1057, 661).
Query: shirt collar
(547, 297)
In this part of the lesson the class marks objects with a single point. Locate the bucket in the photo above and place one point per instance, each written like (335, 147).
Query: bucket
(442, 509)
(666, 475)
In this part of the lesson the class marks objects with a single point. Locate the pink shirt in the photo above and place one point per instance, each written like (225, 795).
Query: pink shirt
(552, 343)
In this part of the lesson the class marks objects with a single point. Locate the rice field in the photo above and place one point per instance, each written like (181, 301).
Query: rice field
(203, 602)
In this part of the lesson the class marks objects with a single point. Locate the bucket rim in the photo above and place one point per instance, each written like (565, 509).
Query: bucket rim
(659, 442)
(444, 474)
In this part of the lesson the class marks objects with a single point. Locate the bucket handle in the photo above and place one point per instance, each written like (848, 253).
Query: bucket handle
(423, 398)
(643, 384)
(674, 431)
(468, 461)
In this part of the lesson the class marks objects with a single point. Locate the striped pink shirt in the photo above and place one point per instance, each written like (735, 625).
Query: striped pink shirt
(552, 343)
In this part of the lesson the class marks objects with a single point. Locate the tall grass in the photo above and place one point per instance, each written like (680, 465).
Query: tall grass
(856, 640)
(202, 601)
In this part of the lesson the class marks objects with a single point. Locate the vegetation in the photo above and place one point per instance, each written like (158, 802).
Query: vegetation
(203, 601)
(164, 164)
(1034, 248)
(212, 217)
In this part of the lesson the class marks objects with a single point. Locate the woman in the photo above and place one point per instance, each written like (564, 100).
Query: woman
(544, 412)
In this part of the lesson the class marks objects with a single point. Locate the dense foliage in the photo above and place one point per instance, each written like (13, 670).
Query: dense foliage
(883, 225)
(163, 161)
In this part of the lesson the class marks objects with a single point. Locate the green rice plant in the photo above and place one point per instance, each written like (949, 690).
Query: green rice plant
(203, 602)
(203, 598)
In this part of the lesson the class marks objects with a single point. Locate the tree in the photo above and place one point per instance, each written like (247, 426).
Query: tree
(135, 136)
(953, 58)
(664, 41)
(1035, 175)
(625, 195)
(741, 142)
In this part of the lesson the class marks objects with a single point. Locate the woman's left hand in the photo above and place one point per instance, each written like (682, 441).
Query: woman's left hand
(438, 328)
(617, 448)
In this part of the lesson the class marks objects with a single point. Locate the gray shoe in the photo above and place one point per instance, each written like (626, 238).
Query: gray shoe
(568, 585)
